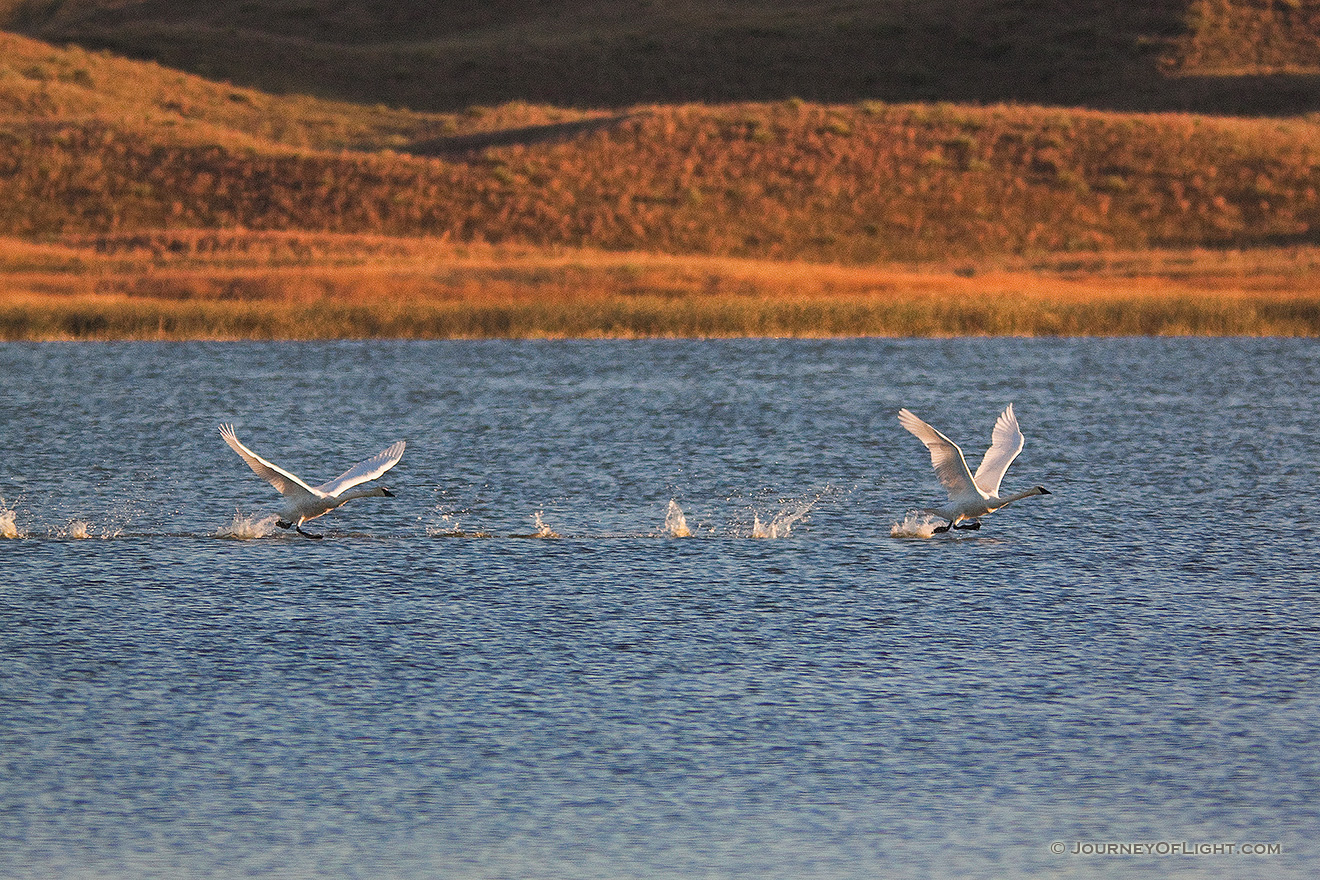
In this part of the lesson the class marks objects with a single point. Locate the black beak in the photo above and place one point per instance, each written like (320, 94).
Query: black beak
(389, 494)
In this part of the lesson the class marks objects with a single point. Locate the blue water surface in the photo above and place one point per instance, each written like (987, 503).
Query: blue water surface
(517, 667)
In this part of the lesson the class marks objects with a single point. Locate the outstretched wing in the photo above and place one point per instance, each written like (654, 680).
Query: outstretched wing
(364, 470)
(1005, 444)
(285, 483)
(945, 457)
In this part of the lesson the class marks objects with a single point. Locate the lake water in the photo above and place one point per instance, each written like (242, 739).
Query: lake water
(440, 688)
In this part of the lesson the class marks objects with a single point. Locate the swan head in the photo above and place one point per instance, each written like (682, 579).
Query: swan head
(388, 494)
(1041, 490)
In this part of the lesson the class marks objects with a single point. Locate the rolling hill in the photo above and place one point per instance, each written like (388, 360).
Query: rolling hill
(91, 143)
(1229, 56)
(125, 182)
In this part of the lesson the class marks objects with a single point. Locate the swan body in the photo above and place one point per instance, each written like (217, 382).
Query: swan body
(304, 502)
(971, 496)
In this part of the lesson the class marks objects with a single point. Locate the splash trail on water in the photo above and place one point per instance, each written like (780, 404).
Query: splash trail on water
(448, 525)
(8, 526)
(81, 529)
(542, 530)
(915, 525)
(675, 522)
(245, 527)
(445, 525)
(78, 528)
(781, 524)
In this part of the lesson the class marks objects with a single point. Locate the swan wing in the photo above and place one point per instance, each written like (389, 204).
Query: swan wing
(365, 470)
(285, 483)
(945, 457)
(1005, 444)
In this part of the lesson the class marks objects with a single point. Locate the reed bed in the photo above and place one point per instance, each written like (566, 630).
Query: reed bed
(104, 318)
(289, 286)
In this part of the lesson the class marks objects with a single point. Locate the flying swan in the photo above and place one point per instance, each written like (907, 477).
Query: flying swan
(971, 497)
(306, 502)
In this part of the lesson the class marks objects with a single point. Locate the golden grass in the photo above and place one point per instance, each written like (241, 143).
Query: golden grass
(1236, 37)
(127, 193)
(93, 144)
(854, 184)
(204, 285)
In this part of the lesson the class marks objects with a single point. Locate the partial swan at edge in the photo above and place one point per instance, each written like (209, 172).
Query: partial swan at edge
(971, 497)
(306, 502)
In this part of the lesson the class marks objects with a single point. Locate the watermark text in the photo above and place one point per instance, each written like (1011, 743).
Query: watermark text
(1163, 848)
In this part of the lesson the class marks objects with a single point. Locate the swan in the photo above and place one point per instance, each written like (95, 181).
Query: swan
(971, 497)
(308, 502)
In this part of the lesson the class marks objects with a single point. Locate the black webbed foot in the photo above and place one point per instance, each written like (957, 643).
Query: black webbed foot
(283, 524)
(970, 527)
(939, 529)
(309, 534)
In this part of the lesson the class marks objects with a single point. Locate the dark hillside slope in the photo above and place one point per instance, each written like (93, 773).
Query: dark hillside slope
(447, 55)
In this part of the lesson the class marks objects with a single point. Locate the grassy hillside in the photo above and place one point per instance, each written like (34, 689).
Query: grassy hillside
(448, 55)
(43, 84)
(90, 143)
(127, 188)
(1237, 37)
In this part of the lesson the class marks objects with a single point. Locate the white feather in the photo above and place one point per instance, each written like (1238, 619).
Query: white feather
(304, 502)
(971, 496)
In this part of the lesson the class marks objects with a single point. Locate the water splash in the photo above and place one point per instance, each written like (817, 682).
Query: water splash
(8, 527)
(448, 525)
(542, 530)
(244, 527)
(781, 523)
(915, 525)
(445, 525)
(675, 523)
(78, 528)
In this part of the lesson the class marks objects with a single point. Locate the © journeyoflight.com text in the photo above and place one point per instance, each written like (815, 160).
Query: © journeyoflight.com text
(1165, 848)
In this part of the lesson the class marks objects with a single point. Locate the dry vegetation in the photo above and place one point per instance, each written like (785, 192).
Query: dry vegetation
(447, 55)
(139, 201)
(190, 285)
(97, 144)
(1237, 37)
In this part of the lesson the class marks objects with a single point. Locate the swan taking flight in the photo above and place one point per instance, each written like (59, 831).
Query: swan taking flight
(971, 497)
(306, 502)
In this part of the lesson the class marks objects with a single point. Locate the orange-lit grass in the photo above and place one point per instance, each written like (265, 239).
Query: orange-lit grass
(276, 286)
(1235, 37)
(92, 144)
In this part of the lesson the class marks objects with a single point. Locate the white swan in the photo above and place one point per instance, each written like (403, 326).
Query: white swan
(308, 502)
(971, 497)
